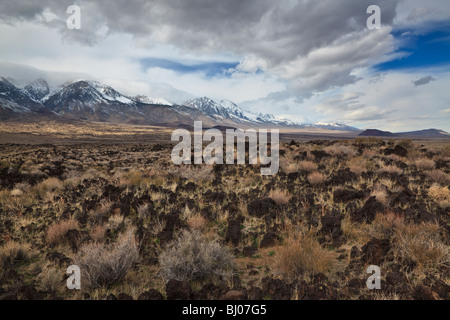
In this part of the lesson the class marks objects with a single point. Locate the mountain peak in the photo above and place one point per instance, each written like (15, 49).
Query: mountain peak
(149, 100)
(37, 89)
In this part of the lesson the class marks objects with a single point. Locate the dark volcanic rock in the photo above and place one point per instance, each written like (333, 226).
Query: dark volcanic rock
(404, 197)
(255, 293)
(261, 207)
(422, 292)
(368, 211)
(346, 195)
(397, 150)
(269, 240)
(234, 234)
(319, 154)
(124, 296)
(234, 295)
(331, 224)
(276, 289)
(249, 251)
(375, 251)
(341, 177)
(178, 290)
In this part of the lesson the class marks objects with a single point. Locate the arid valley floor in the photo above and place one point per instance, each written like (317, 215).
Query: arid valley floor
(109, 200)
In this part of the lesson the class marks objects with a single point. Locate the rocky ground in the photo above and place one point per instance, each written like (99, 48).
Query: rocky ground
(140, 227)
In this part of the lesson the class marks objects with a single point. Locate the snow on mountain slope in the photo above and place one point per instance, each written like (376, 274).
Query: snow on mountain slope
(38, 89)
(148, 100)
(10, 92)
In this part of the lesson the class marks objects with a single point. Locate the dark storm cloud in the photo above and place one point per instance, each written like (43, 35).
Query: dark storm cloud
(424, 80)
(284, 38)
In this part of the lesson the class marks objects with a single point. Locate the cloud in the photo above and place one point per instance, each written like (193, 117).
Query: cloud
(340, 102)
(313, 46)
(312, 60)
(424, 80)
(445, 111)
(367, 113)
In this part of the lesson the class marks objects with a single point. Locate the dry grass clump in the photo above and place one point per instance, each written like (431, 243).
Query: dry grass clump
(316, 178)
(440, 194)
(51, 279)
(421, 243)
(384, 225)
(143, 211)
(101, 213)
(302, 255)
(13, 253)
(380, 193)
(280, 196)
(193, 257)
(424, 164)
(103, 265)
(131, 178)
(391, 169)
(199, 174)
(369, 153)
(50, 184)
(439, 176)
(307, 166)
(340, 150)
(16, 193)
(197, 222)
(97, 233)
(357, 169)
(57, 231)
(116, 220)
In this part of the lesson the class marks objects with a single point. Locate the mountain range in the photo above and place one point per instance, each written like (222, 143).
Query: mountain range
(93, 101)
(428, 133)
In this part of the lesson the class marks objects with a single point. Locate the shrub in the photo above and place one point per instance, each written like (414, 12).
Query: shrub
(56, 232)
(340, 150)
(50, 184)
(280, 196)
(316, 177)
(98, 232)
(302, 255)
(307, 166)
(12, 253)
(103, 265)
(51, 279)
(16, 193)
(439, 176)
(440, 194)
(391, 169)
(193, 257)
(380, 193)
(357, 169)
(424, 164)
(421, 243)
(196, 222)
(384, 225)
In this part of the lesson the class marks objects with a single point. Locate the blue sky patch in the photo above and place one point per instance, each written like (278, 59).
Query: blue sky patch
(211, 69)
(427, 50)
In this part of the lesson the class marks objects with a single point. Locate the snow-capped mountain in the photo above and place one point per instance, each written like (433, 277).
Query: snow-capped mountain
(94, 101)
(223, 112)
(226, 111)
(38, 89)
(148, 100)
(19, 97)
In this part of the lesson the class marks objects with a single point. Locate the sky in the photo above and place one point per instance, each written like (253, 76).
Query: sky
(308, 61)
